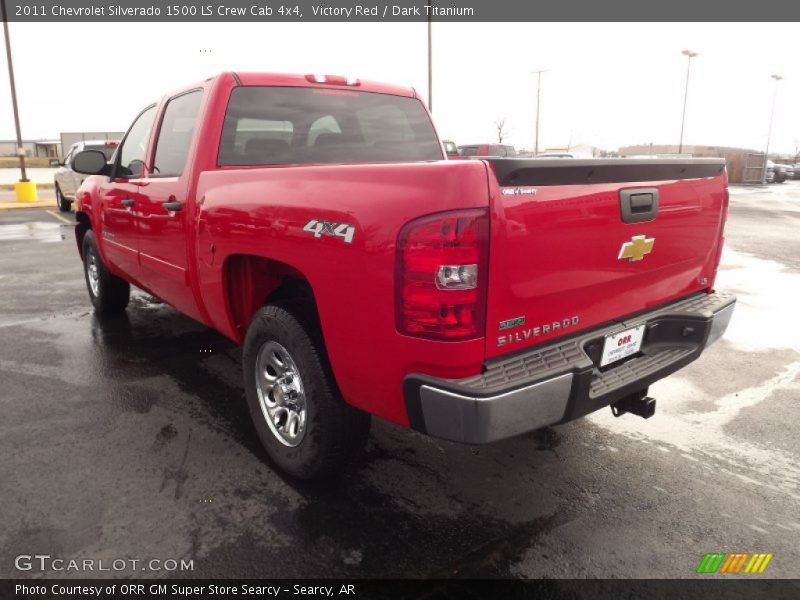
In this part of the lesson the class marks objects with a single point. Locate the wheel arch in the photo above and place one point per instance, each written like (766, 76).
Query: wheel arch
(82, 224)
(250, 281)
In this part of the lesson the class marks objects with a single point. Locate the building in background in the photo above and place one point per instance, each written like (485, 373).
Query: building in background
(33, 148)
(55, 148)
(744, 165)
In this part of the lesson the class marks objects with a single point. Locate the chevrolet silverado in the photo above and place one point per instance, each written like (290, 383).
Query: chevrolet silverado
(316, 221)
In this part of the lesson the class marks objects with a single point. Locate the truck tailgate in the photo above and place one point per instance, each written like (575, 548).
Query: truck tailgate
(576, 243)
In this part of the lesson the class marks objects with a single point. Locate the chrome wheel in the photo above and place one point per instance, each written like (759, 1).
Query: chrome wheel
(93, 274)
(280, 394)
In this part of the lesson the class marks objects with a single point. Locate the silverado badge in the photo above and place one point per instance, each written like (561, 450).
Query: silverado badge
(636, 248)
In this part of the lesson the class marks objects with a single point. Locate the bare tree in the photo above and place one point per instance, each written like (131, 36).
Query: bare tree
(500, 124)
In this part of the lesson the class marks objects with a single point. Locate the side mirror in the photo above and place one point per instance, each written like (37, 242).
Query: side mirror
(90, 162)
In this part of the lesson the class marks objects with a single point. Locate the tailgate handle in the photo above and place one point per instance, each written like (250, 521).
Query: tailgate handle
(638, 205)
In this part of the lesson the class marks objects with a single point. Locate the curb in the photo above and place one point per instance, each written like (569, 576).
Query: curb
(9, 187)
(50, 203)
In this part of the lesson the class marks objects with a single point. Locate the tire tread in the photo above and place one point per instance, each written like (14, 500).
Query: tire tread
(346, 428)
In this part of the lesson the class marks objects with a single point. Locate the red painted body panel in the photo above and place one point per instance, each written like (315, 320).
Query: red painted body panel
(263, 211)
(538, 260)
(288, 80)
(555, 255)
(117, 225)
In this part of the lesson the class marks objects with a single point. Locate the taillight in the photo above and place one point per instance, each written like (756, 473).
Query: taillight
(441, 275)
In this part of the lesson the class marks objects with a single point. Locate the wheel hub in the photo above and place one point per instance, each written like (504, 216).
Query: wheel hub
(94, 275)
(280, 393)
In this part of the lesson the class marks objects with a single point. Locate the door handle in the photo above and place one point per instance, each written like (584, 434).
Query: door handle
(127, 202)
(172, 206)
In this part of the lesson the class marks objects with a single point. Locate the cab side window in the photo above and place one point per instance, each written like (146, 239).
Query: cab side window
(175, 134)
(134, 146)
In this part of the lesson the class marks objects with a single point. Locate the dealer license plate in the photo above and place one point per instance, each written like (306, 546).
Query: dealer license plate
(621, 345)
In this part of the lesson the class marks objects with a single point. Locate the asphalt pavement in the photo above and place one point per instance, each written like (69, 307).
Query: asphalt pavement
(129, 438)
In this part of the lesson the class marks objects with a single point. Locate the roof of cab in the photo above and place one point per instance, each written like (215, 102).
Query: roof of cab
(289, 80)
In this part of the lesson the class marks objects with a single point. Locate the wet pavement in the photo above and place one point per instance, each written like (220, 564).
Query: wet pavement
(129, 438)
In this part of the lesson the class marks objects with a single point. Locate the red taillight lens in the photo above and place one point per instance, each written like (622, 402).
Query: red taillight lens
(441, 275)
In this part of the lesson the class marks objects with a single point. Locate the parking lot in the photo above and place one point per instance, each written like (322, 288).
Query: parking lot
(130, 438)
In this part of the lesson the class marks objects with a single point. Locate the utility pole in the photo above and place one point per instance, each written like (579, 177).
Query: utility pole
(538, 102)
(430, 59)
(690, 55)
(777, 78)
(20, 149)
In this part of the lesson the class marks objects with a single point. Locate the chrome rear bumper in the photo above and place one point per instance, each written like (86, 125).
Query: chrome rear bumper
(561, 381)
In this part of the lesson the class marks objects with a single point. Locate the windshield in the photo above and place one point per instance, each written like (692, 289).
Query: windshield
(275, 126)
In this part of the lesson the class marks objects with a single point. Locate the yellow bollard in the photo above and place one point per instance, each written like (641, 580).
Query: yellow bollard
(26, 191)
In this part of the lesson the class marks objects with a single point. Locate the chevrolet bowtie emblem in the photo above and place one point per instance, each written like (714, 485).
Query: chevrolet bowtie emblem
(636, 248)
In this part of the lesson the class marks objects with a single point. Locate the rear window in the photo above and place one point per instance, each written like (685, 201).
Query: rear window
(105, 149)
(275, 126)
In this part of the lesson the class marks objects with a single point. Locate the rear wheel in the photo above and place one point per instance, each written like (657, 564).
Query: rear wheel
(64, 205)
(109, 294)
(301, 419)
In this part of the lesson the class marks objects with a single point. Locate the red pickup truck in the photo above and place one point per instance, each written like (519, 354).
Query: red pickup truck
(316, 221)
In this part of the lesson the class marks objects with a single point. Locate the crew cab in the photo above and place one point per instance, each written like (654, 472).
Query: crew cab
(316, 221)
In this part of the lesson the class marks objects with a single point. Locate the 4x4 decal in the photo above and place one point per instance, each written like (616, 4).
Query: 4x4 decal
(320, 228)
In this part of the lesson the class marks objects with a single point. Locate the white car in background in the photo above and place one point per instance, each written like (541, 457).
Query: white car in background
(556, 155)
(68, 181)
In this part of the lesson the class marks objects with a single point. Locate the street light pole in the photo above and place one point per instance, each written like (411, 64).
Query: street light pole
(777, 78)
(690, 55)
(430, 61)
(538, 102)
(20, 149)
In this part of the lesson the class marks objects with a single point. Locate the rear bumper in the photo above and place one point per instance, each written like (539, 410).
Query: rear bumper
(561, 381)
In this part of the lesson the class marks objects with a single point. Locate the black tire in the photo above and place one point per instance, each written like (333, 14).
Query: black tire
(334, 431)
(63, 204)
(112, 294)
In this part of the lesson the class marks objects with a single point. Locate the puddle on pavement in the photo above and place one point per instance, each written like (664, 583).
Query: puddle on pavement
(32, 230)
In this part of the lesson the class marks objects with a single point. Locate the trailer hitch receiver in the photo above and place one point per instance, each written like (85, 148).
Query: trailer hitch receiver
(638, 403)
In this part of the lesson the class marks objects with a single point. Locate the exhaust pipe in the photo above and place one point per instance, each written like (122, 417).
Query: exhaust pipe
(638, 403)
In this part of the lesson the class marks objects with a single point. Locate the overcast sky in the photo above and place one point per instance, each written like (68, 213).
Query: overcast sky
(609, 85)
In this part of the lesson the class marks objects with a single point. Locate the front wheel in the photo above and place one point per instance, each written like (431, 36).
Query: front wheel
(109, 294)
(63, 204)
(301, 419)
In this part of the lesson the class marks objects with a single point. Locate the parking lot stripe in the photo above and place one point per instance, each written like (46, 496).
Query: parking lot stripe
(59, 217)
